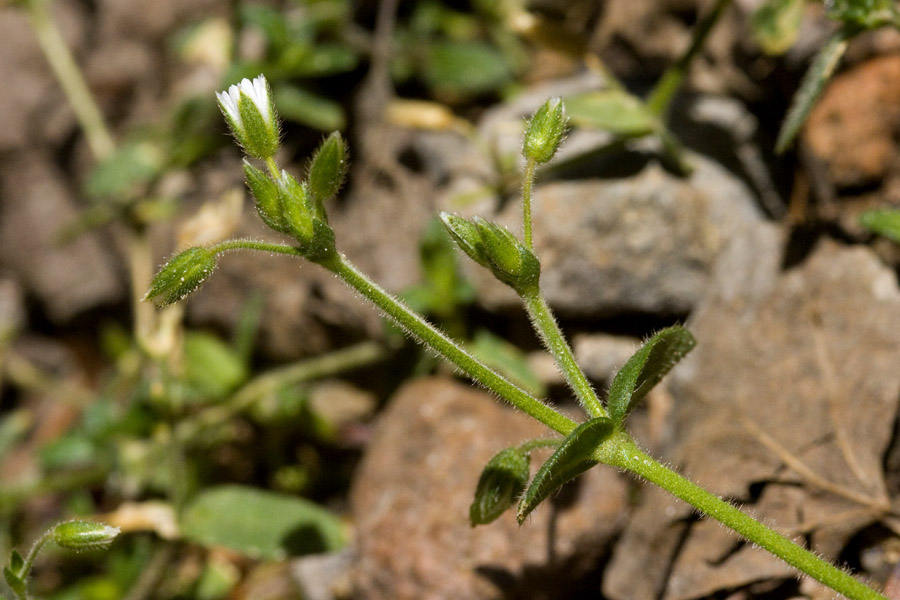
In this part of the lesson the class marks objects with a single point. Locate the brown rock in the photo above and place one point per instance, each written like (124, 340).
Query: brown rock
(794, 393)
(854, 127)
(411, 499)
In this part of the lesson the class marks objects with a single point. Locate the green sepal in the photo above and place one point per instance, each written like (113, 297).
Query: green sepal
(327, 170)
(504, 477)
(511, 262)
(646, 368)
(294, 199)
(265, 192)
(574, 456)
(16, 562)
(466, 236)
(84, 535)
(183, 274)
(320, 248)
(545, 132)
(260, 138)
(884, 222)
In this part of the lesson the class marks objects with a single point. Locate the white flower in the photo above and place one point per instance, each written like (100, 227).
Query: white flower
(258, 136)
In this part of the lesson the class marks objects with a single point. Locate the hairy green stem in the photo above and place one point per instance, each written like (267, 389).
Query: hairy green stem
(527, 186)
(555, 342)
(661, 96)
(29, 559)
(440, 343)
(69, 76)
(622, 452)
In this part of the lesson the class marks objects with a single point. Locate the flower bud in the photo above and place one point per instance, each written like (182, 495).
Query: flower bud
(327, 169)
(265, 191)
(183, 274)
(502, 481)
(511, 262)
(84, 535)
(466, 236)
(250, 112)
(545, 131)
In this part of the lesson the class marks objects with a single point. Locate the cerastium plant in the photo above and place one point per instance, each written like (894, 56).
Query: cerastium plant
(296, 208)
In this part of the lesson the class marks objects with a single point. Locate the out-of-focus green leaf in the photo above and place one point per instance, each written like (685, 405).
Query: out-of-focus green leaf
(499, 354)
(883, 222)
(865, 14)
(776, 23)
(211, 367)
(302, 106)
(131, 166)
(612, 110)
(260, 524)
(320, 60)
(72, 450)
(464, 68)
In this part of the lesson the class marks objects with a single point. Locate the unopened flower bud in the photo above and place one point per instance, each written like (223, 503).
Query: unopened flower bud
(327, 169)
(466, 236)
(265, 192)
(296, 212)
(84, 535)
(250, 113)
(545, 131)
(183, 274)
(511, 262)
(501, 483)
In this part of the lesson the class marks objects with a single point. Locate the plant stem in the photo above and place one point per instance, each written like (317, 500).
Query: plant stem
(555, 342)
(527, 186)
(622, 452)
(440, 343)
(662, 93)
(29, 560)
(69, 75)
(254, 245)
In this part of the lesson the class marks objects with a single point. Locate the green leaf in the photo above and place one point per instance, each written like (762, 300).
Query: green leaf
(776, 24)
(302, 106)
(646, 368)
(261, 524)
(211, 367)
(502, 356)
(822, 68)
(126, 170)
(613, 110)
(502, 480)
(865, 14)
(574, 456)
(883, 222)
(16, 562)
(465, 68)
(321, 60)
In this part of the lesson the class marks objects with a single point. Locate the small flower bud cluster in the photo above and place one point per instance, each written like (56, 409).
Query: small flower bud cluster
(494, 247)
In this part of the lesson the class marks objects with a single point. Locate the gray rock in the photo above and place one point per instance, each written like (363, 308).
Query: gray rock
(411, 497)
(67, 278)
(647, 243)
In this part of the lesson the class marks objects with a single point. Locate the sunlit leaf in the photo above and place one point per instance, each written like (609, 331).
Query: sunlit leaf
(612, 110)
(260, 524)
(882, 222)
(646, 368)
(776, 23)
(465, 68)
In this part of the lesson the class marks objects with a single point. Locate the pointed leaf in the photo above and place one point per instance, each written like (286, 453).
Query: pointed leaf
(574, 456)
(811, 87)
(16, 562)
(612, 110)
(501, 482)
(646, 368)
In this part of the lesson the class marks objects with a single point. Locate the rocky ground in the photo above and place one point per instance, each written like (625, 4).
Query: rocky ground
(788, 405)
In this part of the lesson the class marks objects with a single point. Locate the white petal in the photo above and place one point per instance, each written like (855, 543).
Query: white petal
(228, 100)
